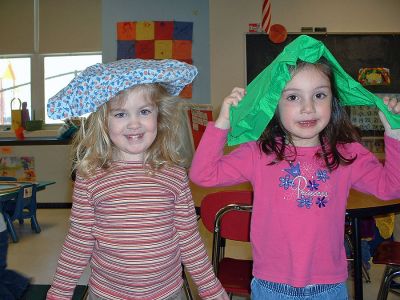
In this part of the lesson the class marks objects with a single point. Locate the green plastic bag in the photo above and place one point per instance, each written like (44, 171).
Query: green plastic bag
(253, 113)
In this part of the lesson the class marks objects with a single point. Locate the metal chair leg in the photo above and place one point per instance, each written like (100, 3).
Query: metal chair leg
(86, 293)
(186, 287)
(366, 273)
(388, 276)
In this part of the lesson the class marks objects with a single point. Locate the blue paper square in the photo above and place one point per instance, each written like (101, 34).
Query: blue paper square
(183, 30)
(125, 49)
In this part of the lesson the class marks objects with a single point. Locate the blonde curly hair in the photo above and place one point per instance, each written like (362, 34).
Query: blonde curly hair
(92, 148)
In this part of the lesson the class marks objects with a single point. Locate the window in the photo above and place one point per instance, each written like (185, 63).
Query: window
(44, 44)
(15, 80)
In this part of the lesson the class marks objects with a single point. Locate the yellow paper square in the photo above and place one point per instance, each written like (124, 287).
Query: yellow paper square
(163, 49)
(145, 30)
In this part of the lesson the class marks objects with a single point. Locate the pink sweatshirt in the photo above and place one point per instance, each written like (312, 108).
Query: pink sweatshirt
(297, 227)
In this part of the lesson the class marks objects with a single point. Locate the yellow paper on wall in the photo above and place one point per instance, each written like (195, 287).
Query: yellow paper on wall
(145, 30)
(163, 49)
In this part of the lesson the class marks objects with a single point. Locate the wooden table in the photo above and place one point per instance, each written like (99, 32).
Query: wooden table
(359, 205)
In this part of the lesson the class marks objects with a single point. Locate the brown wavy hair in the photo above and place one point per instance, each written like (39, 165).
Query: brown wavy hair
(275, 138)
(92, 147)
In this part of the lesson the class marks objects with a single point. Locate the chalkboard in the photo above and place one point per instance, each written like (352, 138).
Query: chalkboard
(353, 51)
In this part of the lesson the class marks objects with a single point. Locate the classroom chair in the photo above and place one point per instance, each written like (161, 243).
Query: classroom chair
(23, 207)
(388, 253)
(227, 215)
(186, 287)
(348, 237)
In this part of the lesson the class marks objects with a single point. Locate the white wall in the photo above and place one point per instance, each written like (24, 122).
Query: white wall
(229, 21)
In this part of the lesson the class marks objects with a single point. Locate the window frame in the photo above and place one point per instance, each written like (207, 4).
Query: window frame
(38, 81)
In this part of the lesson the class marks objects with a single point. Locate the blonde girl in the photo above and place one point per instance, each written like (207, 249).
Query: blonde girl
(133, 218)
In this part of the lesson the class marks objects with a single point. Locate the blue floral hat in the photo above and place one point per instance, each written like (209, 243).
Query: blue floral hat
(99, 83)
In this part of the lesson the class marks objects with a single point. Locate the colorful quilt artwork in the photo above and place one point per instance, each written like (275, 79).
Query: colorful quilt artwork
(156, 40)
(22, 168)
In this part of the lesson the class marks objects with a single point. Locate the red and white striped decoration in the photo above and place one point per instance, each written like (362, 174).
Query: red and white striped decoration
(266, 16)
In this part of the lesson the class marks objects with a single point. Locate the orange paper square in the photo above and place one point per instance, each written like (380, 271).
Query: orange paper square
(182, 49)
(187, 92)
(163, 49)
(145, 30)
(126, 31)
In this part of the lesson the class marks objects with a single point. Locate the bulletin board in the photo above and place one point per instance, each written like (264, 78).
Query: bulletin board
(156, 40)
(354, 51)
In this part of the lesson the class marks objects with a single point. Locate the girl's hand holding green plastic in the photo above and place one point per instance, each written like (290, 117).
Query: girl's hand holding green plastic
(232, 100)
(394, 106)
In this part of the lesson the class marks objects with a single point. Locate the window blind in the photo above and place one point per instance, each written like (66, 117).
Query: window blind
(64, 26)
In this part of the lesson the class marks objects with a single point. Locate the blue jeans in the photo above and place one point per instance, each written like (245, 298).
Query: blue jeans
(265, 290)
(12, 284)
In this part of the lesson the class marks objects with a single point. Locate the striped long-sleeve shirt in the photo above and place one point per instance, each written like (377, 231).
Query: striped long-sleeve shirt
(136, 229)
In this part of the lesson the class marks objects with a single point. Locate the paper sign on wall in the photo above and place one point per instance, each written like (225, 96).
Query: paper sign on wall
(198, 117)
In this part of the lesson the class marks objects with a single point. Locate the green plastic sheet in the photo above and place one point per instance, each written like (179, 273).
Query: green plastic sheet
(253, 113)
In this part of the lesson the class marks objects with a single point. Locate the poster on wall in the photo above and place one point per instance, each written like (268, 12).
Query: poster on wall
(156, 40)
(374, 76)
(20, 167)
(366, 118)
(198, 115)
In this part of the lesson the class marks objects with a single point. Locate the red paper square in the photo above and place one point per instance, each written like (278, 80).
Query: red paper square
(144, 49)
(164, 30)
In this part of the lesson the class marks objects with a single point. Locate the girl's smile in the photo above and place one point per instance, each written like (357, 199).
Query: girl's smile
(134, 137)
(308, 123)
